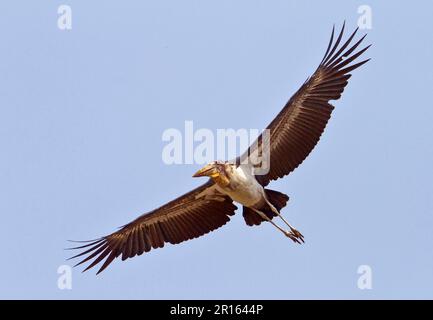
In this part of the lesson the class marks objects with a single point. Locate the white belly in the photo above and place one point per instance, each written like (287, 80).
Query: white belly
(244, 188)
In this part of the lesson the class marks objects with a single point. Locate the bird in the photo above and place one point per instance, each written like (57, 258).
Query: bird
(290, 138)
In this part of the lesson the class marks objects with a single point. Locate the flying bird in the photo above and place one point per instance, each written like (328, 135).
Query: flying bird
(292, 136)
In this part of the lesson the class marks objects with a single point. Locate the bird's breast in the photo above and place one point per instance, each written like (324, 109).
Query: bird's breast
(243, 188)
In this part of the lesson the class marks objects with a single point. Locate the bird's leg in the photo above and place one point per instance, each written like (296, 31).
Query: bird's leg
(292, 229)
(289, 234)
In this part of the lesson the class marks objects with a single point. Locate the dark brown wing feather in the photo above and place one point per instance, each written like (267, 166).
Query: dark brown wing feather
(184, 218)
(298, 127)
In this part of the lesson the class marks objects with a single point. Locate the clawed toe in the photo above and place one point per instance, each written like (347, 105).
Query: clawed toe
(295, 237)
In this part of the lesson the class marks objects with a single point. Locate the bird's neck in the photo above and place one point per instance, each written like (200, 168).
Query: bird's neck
(221, 180)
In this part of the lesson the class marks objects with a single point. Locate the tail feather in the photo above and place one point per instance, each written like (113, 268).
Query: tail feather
(251, 217)
(278, 200)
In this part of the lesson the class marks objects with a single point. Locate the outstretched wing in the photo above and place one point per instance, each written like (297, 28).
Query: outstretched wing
(298, 127)
(190, 216)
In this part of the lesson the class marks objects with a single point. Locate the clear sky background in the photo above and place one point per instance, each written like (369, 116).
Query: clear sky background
(82, 113)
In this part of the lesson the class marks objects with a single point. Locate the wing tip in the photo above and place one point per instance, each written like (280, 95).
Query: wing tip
(99, 249)
(330, 59)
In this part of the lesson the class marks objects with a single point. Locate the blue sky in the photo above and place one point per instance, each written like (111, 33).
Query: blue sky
(82, 114)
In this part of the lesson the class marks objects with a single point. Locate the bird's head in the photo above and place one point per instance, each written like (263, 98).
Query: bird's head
(217, 170)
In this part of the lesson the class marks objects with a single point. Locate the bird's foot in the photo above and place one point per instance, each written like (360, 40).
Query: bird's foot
(295, 236)
(298, 234)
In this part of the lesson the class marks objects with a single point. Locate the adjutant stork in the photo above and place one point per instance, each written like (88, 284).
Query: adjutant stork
(293, 134)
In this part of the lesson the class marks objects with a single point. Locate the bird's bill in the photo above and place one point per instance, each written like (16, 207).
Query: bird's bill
(207, 171)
